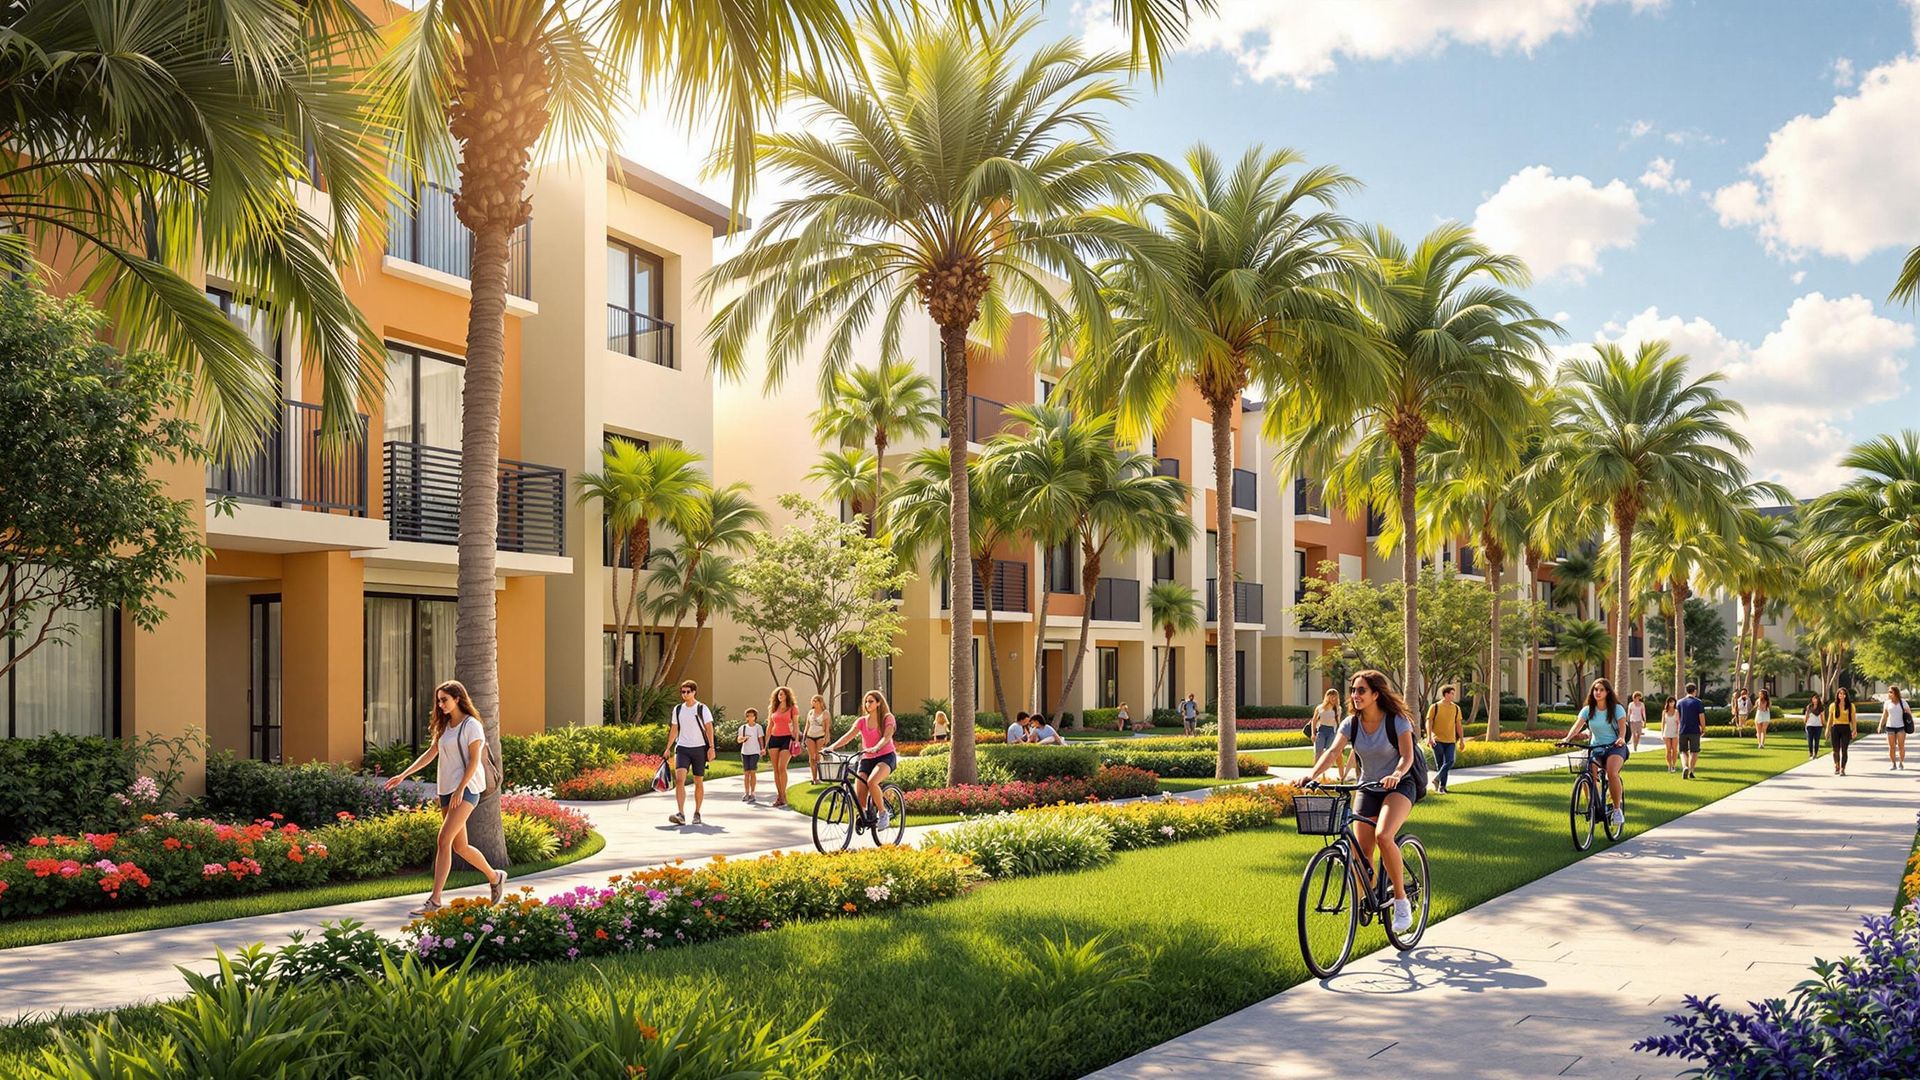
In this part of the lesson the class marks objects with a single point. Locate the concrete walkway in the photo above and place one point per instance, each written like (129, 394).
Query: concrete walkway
(1561, 976)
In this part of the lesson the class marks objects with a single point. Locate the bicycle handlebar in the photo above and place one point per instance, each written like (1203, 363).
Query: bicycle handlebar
(1370, 785)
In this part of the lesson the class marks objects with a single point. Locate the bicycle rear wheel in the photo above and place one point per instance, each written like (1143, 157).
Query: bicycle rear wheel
(896, 803)
(1580, 813)
(1413, 859)
(832, 820)
(1614, 833)
(1329, 916)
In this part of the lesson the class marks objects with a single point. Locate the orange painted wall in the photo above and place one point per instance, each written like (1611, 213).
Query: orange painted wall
(521, 628)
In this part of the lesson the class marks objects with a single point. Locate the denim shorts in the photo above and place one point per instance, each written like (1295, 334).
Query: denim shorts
(470, 797)
(1601, 754)
(1372, 801)
(1323, 738)
(749, 762)
(867, 764)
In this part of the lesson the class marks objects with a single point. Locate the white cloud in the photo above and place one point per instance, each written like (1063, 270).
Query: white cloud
(1301, 40)
(1659, 177)
(1841, 183)
(1641, 129)
(1558, 223)
(1842, 73)
(1801, 384)
(1799, 276)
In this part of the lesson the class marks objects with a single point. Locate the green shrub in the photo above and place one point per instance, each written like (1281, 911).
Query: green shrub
(1188, 764)
(625, 739)
(615, 1034)
(529, 840)
(1487, 753)
(913, 726)
(1034, 763)
(1020, 844)
(1245, 740)
(386, 760)
(59, 783)
(377, 847)
(345, 951)
(1102, 718)
(310, 795)
(924, 773)
(549, 760)
(1271, 712)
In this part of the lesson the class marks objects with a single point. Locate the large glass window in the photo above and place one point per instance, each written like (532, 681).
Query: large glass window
(263, 686)
(409, 649)
(1109, 677)
(1063, 566)
(1302, 676)
(65, 686)
(636, 315)
(423, 397)
(653, 641)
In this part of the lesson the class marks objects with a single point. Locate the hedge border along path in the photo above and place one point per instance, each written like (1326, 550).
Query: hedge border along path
(46, 929)
(1108, 961)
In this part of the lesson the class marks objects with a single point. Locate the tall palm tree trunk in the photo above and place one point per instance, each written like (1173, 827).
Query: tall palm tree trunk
(1410, 583)
(878, 664)
(1493, 647)
(1679, 637)
(1228, 766)
(1624, 515)
(964, 768)
(985, 571)
(1160, 675)
(1089, 586)
(1531, 688)
(1037, 701)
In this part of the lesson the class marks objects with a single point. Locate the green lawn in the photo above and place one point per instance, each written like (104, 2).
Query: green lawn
(91, 924)
(1185, 934)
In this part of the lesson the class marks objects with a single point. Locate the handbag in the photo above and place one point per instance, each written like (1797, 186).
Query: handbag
(663, 777)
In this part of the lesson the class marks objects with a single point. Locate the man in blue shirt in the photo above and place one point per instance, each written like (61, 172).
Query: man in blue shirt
(1693, 722)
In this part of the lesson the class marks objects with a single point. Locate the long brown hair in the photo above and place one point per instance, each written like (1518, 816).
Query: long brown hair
(885, 709)
(1613, 701)
(461, 700)
(1391, 703)
(773, 701)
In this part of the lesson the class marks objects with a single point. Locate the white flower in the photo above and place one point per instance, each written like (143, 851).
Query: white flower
(877, 893)
(1167, 829)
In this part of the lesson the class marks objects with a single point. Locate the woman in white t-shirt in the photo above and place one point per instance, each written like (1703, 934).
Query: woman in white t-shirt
(1896, 719)
(459, 741)
(1816, 721)
(1762, 716)
(1636, 718)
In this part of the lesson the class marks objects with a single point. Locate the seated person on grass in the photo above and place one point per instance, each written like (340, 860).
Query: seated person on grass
(1017, 732)
(1043, 732)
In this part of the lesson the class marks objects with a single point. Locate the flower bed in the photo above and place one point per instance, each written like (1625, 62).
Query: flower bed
(169, 858)
(622, 781)
(1243, 723)
(1073, 837)
(1251, 740)
(1108, 782)
(676, 905)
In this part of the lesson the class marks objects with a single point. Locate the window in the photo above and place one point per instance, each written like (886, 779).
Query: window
(1109, 696)
(636, 310)
(853, 681)
(1163, 565)
(251, 321)
(607, 554)
(1299, 575)
(654, 641)
(263, 685)
(1212, 694)
(423, 397)
(1063, 567)
(1169, 675)
(1046, 390)
(1213, 555)
(409, 651)
(67, 689)
(1302, 676)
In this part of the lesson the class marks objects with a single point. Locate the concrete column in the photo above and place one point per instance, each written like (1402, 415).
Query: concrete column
(164, 670)
(322, 657)
(522, 641)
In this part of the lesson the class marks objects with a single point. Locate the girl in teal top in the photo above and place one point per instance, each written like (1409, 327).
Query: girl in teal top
(1604, 718)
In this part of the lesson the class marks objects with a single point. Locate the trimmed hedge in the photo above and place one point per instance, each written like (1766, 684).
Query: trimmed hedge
(1035, 763)
(1181, 764)
(59, 783)
(311, 795)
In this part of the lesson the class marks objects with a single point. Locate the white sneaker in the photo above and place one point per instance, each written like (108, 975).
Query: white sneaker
(881, 825)
(1618, 816)
(1402, 916)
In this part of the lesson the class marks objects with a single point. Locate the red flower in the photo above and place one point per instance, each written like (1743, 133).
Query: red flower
(171, 843)
(104, 842)
(38, 841)
(344, 816)
(276, 817)
(3, 888)
(293, 853)
(601, 934)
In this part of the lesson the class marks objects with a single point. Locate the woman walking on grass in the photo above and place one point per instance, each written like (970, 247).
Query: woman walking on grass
(1842, 724)
(783, 726)
(459, 741)
(1762, 716)
(819, 730)
(1816, 718)
(1896, 721)
(1670, 732)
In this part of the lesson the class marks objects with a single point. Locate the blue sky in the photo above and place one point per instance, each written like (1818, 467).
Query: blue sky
(1741, 177)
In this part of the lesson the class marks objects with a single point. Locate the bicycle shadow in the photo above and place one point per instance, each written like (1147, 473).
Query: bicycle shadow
(1471, 970)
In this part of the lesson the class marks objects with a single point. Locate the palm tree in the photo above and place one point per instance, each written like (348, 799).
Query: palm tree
(691, 582)
(848, 475)
(1906, 288)
(877, 405)
(149, 144)
(1574, 575)
(920, 509)
(1636, 433)
(1759, 576)
(726, 522)
(1462, 352)
(1672, 549)
(1242, 293)
(1583, 643)
(1175, 609)
(638, 488)
(961, 172)
(1863, 533)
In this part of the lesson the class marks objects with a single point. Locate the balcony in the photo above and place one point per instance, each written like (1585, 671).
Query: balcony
(293, 468)
(1167, 467)
(1309, 498)
(1249, 602)
(422, 493)
(985, 418)
(428, 232)
(639, 335)
(1246, 490)
(1009, 592)
(1116, 600)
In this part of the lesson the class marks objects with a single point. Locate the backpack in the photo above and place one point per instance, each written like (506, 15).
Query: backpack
(494, 772)
(702, 718)
(1419, 770)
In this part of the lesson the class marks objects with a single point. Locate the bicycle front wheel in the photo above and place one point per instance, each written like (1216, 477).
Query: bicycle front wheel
(832, 820)
(1580, 814)
(1329, 911)
(1413, 862)
(896, 803)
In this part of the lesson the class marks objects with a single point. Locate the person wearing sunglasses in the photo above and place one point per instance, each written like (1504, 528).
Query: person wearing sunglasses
(690, 733)
(1378, 729)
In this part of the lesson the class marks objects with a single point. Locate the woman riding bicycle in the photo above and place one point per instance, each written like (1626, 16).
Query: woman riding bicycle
(878, 758)
(1604, 717)
(1378, 729)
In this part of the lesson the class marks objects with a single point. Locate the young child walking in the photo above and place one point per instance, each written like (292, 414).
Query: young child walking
(753, 738)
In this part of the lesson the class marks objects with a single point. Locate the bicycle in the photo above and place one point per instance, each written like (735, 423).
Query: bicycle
(837, 815)
(1333, 905)
(1591, 796)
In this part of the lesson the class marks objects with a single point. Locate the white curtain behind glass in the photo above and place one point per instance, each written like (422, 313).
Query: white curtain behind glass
(389, 667)
(65, 687)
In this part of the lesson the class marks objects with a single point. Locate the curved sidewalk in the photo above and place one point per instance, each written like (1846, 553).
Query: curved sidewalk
(1561, 976)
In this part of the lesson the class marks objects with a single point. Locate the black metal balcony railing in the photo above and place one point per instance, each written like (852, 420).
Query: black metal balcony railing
(293, 467)
(428, 232)
(1009, 591)
(423, 500)
(640, 335)
(1117, 600)
(1309, 498)
(985, 417)
(1249, 602)
(1246, 490)
(1168, 467)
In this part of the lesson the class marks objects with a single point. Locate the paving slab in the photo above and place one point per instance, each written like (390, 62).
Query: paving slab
(1561, 976)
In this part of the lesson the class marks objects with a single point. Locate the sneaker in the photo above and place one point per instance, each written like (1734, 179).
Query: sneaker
(696, 817)
(881, 825)
(1618, 816)
(1402, 916)
(677, 819)
(781, 805)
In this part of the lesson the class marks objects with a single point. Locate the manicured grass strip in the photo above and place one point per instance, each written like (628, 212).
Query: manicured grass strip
(1193, 783)
(92, 924)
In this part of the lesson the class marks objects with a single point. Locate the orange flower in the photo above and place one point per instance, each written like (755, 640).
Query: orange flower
(848, 906)
(601, 934)
(648, 1031)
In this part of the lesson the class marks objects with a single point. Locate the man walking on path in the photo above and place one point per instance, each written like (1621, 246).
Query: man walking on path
(1189, 712)
(1443, 734)
(690, 733)
(1693, 724)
